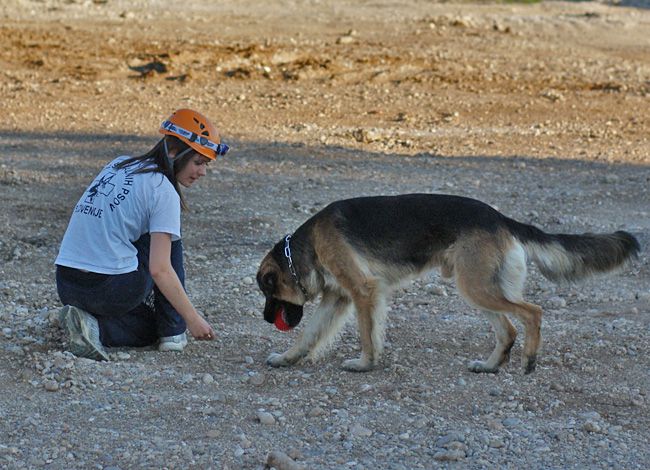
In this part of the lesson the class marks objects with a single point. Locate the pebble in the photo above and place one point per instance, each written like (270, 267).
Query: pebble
(449, 455)
(360, 431)
(281, 461)
(591, 426)
(437, 290)
(511, 422)
(591, 415)
(556, 302)
(245, 443)
(51, 385)
(208, 379)
(265, 417)
(315, 412)
(496, 443)
(257, 379)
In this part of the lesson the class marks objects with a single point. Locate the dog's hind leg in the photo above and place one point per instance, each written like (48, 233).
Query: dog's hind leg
(505, 334)
(490, 274)
(329, 317)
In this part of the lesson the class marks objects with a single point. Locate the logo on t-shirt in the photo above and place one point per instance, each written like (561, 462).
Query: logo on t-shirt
(103, 186)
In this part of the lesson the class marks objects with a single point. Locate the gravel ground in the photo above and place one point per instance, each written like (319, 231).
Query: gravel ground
(540, 110)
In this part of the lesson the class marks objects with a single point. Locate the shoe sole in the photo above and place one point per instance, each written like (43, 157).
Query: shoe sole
(84, 333)
(177, 346)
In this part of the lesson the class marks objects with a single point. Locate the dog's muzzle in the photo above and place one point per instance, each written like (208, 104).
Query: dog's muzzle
(292, 313)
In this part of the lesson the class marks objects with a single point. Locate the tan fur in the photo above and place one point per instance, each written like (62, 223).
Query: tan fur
(489, 271)
(488, 266)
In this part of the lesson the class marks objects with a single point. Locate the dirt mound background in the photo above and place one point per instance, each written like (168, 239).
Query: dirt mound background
(541, 110)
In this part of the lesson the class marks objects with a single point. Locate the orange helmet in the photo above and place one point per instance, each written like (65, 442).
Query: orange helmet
(195, 130)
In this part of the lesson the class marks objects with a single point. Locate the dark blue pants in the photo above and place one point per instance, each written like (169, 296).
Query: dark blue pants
(119, 301)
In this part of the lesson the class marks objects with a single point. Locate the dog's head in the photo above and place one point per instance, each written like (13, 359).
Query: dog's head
(283, 296)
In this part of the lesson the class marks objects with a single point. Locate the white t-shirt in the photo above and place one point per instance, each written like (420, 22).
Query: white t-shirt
(116, 209)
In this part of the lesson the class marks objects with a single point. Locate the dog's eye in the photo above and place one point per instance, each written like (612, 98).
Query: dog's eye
(269, 280)
(266, 283)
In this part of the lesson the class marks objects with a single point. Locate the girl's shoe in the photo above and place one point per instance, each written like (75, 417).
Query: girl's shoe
(173, 343)
(83, 331)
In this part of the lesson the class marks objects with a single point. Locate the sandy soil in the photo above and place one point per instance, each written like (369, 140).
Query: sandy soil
(541, 110)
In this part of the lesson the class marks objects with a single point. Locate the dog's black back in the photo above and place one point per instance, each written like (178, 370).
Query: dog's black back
(408, 229)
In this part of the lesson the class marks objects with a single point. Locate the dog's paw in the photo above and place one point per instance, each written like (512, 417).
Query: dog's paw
(278, 360)
(482, 367)
(529, 364)
(357, 365)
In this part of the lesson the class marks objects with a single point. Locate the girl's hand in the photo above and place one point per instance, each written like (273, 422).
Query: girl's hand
(201, 329)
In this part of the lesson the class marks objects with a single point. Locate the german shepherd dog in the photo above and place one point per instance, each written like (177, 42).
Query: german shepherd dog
(354, 251)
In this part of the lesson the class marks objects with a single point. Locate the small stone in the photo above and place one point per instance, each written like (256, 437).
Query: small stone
(444, 441)
(496, 443)
(265, 417)
(51, 385)
(248, 280)
(511, 422)
(557, 387)
(245, 443)
(316, 411)
(281, 461)
(591, 426)
(557, 302)
(359, 431)
(208, 379)
(346, 40)
(591, 416)
(258, 379)
(449, 455)
(437, 290)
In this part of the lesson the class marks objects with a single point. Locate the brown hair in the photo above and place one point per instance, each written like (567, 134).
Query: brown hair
(161, 163)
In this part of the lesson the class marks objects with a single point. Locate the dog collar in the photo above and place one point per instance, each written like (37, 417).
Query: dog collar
(292, 269)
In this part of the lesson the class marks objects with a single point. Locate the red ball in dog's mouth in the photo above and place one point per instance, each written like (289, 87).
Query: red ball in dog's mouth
(280, 323)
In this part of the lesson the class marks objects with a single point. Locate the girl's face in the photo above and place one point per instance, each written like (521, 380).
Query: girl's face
(195, 168)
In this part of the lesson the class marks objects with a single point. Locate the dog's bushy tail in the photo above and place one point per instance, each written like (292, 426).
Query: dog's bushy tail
(564, 257)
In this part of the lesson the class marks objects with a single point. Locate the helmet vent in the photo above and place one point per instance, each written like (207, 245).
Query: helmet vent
(202, 126)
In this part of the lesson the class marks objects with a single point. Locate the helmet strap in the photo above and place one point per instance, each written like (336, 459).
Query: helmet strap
(170, 163)
(170, 160)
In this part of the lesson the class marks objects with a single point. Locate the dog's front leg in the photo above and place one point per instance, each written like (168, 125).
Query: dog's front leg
(287, 358)
(326, 322)
(371, 316)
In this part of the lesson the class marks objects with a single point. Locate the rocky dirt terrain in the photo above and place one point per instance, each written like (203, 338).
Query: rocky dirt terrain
(542, 110)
